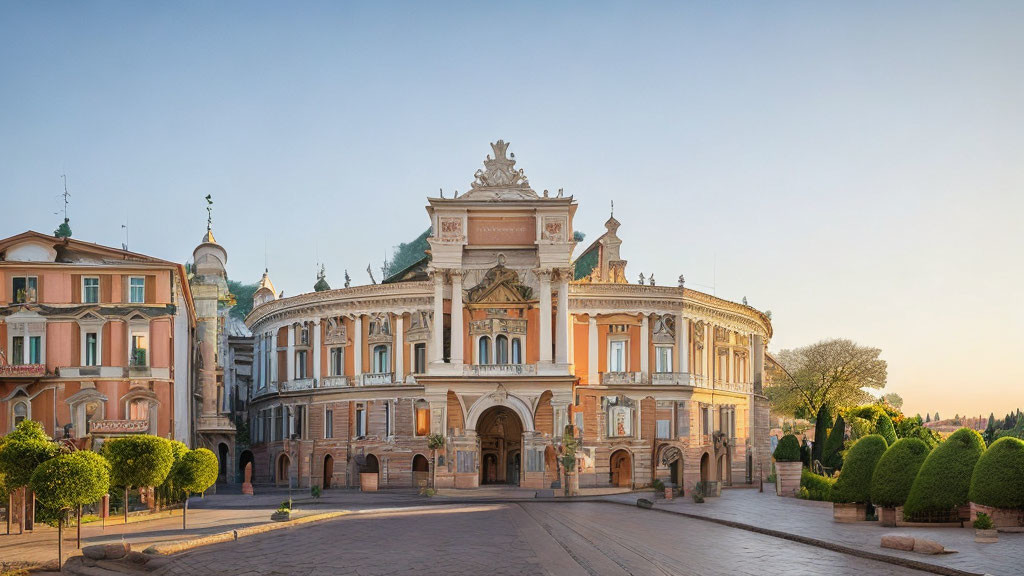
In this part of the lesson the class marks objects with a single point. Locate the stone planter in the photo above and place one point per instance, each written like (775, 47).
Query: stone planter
(1001, 517)
(281, 516)
(368, 481)
(849, 512)
(888, 517)
(787, 478)
(986, 536)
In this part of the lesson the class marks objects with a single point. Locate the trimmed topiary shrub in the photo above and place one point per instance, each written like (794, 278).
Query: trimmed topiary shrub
(788, 449)
(884, 428)
(821, 425)
(23, 450)
(138, 461)
(67, 482)
(815, 487)
(998, 478)
(831, 453)
(195, 471)
(854, 484)
(944, 481)
(895, 472)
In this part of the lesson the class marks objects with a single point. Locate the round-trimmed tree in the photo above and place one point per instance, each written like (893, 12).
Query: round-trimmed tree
(137, 461)
(998, 478)
(854, 483)
(22, 451)
(896, 470)
(195, 471)
(884, 427)
(944, 481)
(68, 481)
(788, 449)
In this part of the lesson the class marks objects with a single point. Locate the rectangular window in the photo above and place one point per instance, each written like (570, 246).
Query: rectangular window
(360, 421)
(24, 289)
(664, 429)
(387, 419)
(18, 350)
(465, 461)
(138, 357)
(90, 290)
(422, 421)
(617, 356)
(35, 349)
(579, 422)
(137, 289)
(663, 359)
(300, 364)
(535, 460)
(421, 359)
(299, 422)
(90, 349)
(337, 365)
(329, 424)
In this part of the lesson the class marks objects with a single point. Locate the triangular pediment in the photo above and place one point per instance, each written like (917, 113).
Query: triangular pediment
(500, 285)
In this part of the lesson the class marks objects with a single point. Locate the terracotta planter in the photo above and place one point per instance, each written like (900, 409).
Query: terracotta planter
(986, 536)
(787, 478)
(368, 481)
(888, 517)
(849, 512)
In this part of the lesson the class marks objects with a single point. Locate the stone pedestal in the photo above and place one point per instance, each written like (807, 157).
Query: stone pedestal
(787, 478)
(888, 517)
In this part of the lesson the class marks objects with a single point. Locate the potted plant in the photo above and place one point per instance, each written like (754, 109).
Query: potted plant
(283, 512)
(787, 466)
(943, 483)
(893, 477)
(851, 493)
(997, 483)
(659, 488)
(984, 532)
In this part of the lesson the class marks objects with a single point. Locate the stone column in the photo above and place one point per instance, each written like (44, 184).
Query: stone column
(289, 359)
(456, 355)
(437, 333)
(316, 351)
(357, 349)
(645, 347)
(730, 368)
(562, 319)
(400, 348)
(273, 357)
(592, 376)
(545, 316)
(682, 344)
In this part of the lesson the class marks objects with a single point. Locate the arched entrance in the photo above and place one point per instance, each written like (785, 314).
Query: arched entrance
(672, 457)
(500, 432)
(705, 468)
(420, 470)
(372, 465)
(246, 458)
(222, 462)
(621, 465)
(283, 476)
(328, 470)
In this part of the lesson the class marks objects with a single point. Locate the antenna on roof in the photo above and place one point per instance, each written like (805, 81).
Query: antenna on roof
(66, 195)
(124, 245)
(64, 230)
(613, 208)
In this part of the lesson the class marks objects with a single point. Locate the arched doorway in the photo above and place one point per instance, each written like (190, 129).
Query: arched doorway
(222, 462)
(328, 470)
(284, 464)
(246, 458)
(672, 457)
(705, 468)
(621, 469)
(500, 432)
(420, 470)
(372, 465)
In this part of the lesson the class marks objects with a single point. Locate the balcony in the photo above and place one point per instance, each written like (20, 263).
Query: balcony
(741, 387)
(22, 370)
(334, 382)
(378, 379)
(113, 372)
(297, 384)
(670, 378)
(270, 389)
(119, 426)
(620, 378)
(500, 370)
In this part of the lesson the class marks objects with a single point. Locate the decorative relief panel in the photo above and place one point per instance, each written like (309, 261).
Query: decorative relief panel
(380, 328)
(553, 229)
(665, 329)
(451, 229)
(498, 326)
(335, 332)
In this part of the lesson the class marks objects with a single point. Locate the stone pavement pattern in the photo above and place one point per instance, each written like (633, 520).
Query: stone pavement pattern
(814, 520)
(565, 539)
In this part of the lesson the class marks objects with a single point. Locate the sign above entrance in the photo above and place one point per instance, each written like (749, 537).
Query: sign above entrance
(502, 230)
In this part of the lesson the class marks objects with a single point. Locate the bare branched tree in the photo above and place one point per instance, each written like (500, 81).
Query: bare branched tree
(838, 373)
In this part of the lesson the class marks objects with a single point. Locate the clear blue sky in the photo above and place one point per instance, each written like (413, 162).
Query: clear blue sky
(855, 168)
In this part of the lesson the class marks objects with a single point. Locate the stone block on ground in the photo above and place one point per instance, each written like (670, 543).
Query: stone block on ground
(898, 542)
(926, 546)
(545, 494)
(644, 503)
(136, 557)
(96, 552)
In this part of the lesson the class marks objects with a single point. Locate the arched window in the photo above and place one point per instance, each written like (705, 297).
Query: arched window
(501, 349)
(484, 354)
(381, 363)
(20, 412)
(517, 350)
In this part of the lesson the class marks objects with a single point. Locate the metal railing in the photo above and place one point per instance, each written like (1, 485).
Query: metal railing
(614, 378)
(378, 379)
(500, 370)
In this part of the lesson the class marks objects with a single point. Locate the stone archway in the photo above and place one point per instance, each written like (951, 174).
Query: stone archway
(705, 468)
(420, 470)
(246, 458)
(500, 433)
(283, 475)
(621, 468)
(500, 399)
(328, 471)
(222, 462)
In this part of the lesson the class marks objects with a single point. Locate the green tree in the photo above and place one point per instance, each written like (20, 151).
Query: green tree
(23, 450)
(167, 489)
(833, 372)
(832, 451)
(788, 449)
(998, 477)
(854, 484)
(927, 417)
(885, 429)
(68, 481)
(243, 294)
(821, 425)
(944, 480)
(896, 471)
(408, 253)
(138, 461)
(195, 471)
(892, 399)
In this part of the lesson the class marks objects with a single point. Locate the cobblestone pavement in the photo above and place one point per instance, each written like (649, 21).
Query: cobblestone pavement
(564, 539)
(814, 520)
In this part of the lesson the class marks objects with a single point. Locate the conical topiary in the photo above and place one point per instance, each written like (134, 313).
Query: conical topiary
(885, 428)
(821, 426)
(854, 484)
(831, 453)
(944, 481)
(896, 470)
(998, 478)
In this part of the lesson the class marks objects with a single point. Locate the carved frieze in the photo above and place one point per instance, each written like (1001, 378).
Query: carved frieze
(335, 331)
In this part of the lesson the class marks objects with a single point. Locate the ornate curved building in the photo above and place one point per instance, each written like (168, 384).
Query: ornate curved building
(498, 339)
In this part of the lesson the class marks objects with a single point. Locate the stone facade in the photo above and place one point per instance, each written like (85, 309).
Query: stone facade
(497, 341)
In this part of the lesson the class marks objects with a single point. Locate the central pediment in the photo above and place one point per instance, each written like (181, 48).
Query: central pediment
(500, 287)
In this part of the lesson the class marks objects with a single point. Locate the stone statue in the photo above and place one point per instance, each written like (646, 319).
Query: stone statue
(641, 278)
(348, 281)
(682, 280)
(652, 280)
